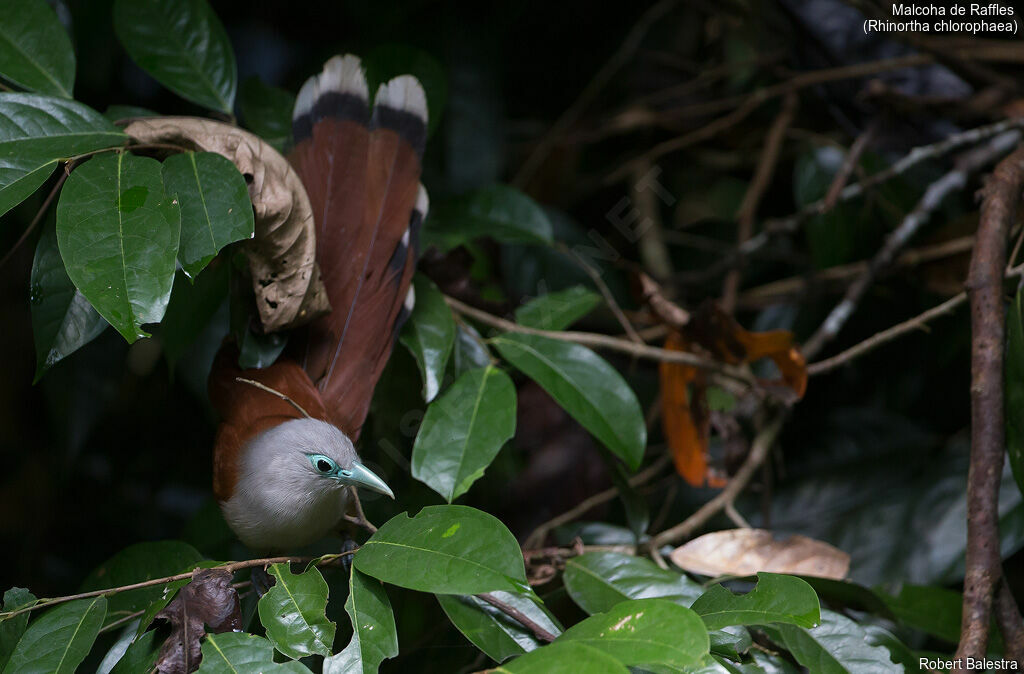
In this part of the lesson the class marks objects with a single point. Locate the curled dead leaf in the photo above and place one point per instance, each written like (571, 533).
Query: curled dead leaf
(207, 602)
(745, 552)
(282, 254)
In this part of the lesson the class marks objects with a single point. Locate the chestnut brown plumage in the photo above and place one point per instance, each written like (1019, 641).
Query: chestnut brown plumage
(278, 474)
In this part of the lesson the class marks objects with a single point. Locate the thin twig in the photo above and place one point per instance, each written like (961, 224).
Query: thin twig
(360, 515)
(606, 292)
(759, 449)
(600, 80)
(849, 163)
(275, 392)
(988, 330)
(933, 197)
(726, 373)
(536, 538)
(755, 192)
(520, 617)
(230, 567)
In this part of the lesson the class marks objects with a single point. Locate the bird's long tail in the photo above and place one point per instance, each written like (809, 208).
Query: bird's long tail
(361, 169)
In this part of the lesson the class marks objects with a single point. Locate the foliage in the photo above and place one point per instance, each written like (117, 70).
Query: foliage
(127, 216)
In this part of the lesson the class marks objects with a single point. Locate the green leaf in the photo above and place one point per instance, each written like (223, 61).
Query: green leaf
(35, 50)
(241, 653)
(586, 387)
(445, 550)
(59, 640)
(638, 515)
(118, 235)
(469, 351)
(116, 113)
(463, 431)
(36, 132)
(731, 641)
(391, 60)
(292, 612)
(1015, 388)
(775, 599)
(62, 319)
(11, 629)
(429, 334)
(836, 646)
(191, 307)
(182, 44)
(557, 310)
(267, 111)
(493, 631)
(564, 658)
(933, 610)
(501, 212)
(138, 563)
(374, 636)
(644, 632)
(597, 581)
(140, 656)
(214, 203)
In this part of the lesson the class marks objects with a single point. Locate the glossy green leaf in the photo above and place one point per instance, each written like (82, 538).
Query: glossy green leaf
(597, 581)
(120, 646)
(116, 113)
(11, 629)
(557, 310)
(775, 599)
(846, 593)
(567, 658)
(241, 653)
(445, 550)
(391, 60)
(836, 646)
(59, 640)
(36, 132)
(586, 387)
(35, 50)
(1015, 388)
(292, 611)
(137, 563)
(933, 610)
(182, 44)
(62, 319)
(214, 203)
(500, 212)
(191, 307)
(429, 334)
(731, 641)
(118, 234)
(641, 632)
(463, 431)
(140, 656)
(374, 635)
(493, 631)
(267, 111)
(469, 351)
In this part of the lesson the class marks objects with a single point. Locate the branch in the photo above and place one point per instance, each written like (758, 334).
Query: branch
(614, 64)
(230, 567)
(39, 214)
(755, 191)
(985, 292)
(758, 453)
(933, 197)
(728, 372)
(536, 538)
(606, 292)
(1010, 623)
(539, 632)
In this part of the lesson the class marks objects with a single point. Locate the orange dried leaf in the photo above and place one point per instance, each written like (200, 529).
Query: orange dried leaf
(684, 420)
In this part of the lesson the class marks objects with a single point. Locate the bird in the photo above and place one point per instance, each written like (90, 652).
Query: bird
(284, 457)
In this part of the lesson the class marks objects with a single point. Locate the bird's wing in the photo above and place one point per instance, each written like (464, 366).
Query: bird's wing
(247, 411)
(361, 170)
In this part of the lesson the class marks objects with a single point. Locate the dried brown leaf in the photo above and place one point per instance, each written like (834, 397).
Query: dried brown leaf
(744, 552)
(207, 602)
(282, 255)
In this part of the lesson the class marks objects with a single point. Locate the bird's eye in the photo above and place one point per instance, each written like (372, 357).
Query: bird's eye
(323, 464)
